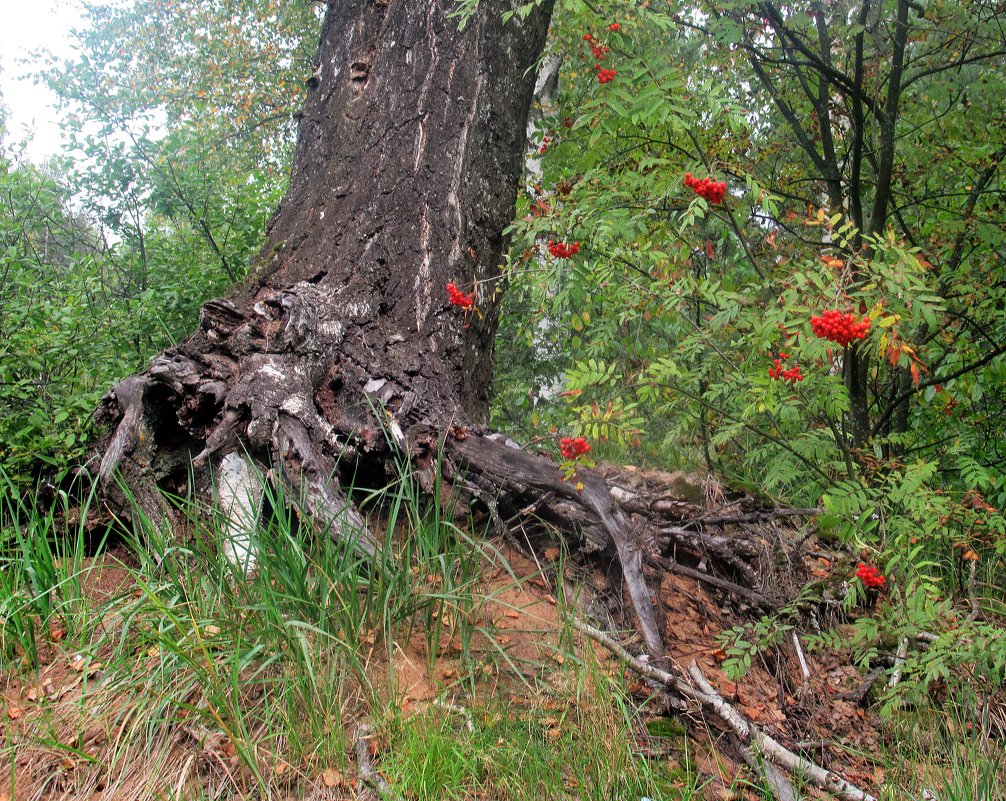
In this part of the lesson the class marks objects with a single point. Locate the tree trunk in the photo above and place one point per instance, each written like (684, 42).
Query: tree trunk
(408, 162)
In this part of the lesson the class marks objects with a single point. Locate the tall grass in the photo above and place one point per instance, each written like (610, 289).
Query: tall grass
(41, 566)
(198, 681)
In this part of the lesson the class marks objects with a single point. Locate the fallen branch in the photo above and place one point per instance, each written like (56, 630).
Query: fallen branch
(699, 690)
(899, 663)
(804, 667)
(749, 517)
(365, 767)
(754, 597)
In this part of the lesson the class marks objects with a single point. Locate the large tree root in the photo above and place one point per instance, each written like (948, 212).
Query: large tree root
(696, 688)
(262, 422)
(525, 476)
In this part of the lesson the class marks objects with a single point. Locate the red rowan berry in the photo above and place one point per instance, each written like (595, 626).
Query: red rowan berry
(839, 327)
(573, 447)
(459, 298)
(870, 576)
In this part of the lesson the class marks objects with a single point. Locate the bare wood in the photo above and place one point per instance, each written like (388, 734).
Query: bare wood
(365, 766)
(804, 667)
(747, 594)
(761, 516)
(899, 663)
(699, 690)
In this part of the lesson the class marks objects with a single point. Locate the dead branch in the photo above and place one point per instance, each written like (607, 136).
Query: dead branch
(700, 691)
(754, 597)
(761, 516)
(365, 767)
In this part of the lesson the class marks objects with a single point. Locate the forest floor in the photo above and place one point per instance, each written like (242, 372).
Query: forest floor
(144, 684)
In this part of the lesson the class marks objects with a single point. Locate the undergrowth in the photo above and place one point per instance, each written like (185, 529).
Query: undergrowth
(138, 665)
(188, 679)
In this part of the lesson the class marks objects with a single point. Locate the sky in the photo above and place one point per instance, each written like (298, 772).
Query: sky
(25, 27)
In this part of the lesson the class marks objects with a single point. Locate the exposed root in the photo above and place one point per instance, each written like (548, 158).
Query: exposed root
(523, 476)
(310, 479)
(128, 394)
(756, 598)
(239, 492)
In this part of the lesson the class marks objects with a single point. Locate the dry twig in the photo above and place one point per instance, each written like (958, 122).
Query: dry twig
(699, 690)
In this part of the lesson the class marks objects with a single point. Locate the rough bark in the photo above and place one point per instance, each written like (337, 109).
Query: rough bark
(406, 172)
(410, 152)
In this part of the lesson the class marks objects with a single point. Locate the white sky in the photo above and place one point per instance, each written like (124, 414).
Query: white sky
(25, 26)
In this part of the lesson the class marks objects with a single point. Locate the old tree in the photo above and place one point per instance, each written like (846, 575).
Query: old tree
(341, 347)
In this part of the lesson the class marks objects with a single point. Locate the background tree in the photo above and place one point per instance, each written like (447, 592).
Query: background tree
(860, 178)
(878, 105)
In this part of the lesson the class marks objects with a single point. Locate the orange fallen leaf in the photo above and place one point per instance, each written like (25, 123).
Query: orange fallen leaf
(14, 712)
(331, 777)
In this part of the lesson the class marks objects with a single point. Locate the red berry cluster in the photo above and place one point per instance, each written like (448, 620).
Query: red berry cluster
(870, 576)
(614, 27)
(605, 76)
(572, 447)
(600, 52)
(561, 250)
(776, 371)
(545, 142)
(840, 327)
(459, 298)
(712, 191)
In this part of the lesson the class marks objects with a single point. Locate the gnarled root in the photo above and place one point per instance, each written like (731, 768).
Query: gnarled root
(587, 503)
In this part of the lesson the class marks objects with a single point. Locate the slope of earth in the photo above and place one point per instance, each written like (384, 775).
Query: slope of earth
(170, 677)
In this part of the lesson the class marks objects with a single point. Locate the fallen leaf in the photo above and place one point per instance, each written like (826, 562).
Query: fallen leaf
(331, 777)
(281, 768)
(14, 712)
(211, 631)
